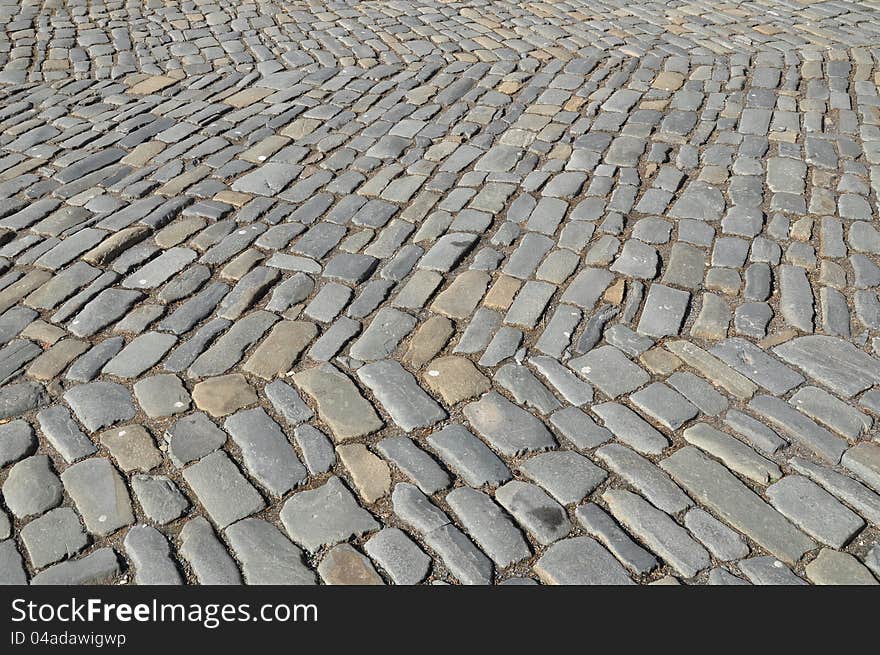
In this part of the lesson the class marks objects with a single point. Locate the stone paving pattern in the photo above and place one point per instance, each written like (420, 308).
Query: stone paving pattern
(439, 292)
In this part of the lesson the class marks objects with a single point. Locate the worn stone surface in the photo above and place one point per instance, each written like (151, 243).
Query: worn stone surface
(340, 404)
(133, 448)
(658, 531)
(54, 536)
(398, 392)
(536, 511)
(506, 426)
(267, 455)
(399, 556)
(836, 568)
(100, 404)
(343, 565)
(711, 484)
(206, 554)
(151, 555)
(455, 379)
(99, 494)
(245, 248)
(370, 474)
(325, 516)
(814, 510)
(220, 487)
(266, 555)
(161, 395)
(580, 561)
(224, 394)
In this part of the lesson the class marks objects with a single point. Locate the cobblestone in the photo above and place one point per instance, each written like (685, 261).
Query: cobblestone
(415, 292)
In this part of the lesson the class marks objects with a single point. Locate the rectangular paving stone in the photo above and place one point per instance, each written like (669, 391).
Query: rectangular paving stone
(733, 453)
(107, 307)
(754, 432)
(98, 567)
(399, 556)
(610, 370)
(799, 428)
(469, 457)
(158, 270)
(31, 281)
(140, 355)
(13, 321)
(448, 251)
(578, 428)
(509, 428)
(526, 389)
(603, 528)
(265, 450)
(814, 510)
(821, 406)
(852, 492)
(833, 362)
(487, 523)
(325, 516)
(382, 336)
(278, 352)
(713, 369)
(287, 402)
(62, 286)
(630, 428)
(415, 463)
(658, 531)
(63, 433)
(340, 404)
(767, 571)
(89, 164)
(100, 495)
(564, 474)
(718, 489)
(222, 490)
(150, 553)
(757, 365)
(51, 363)
(572, 388)
(864, 460)
(266, 555)
(664, 405)
(54, 536)
(228, 350)
(699, 392)
(645, 477)
(15, 355)
(580, 561)
(557, 333)
(195, 308)
(399, 393)
(529, 304)
(544, 518)
(664, 311)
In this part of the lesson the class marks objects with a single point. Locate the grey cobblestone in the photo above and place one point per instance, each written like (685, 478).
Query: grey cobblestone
(544, 255)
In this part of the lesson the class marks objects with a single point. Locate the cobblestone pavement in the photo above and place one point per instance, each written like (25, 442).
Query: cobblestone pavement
(466, 292)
